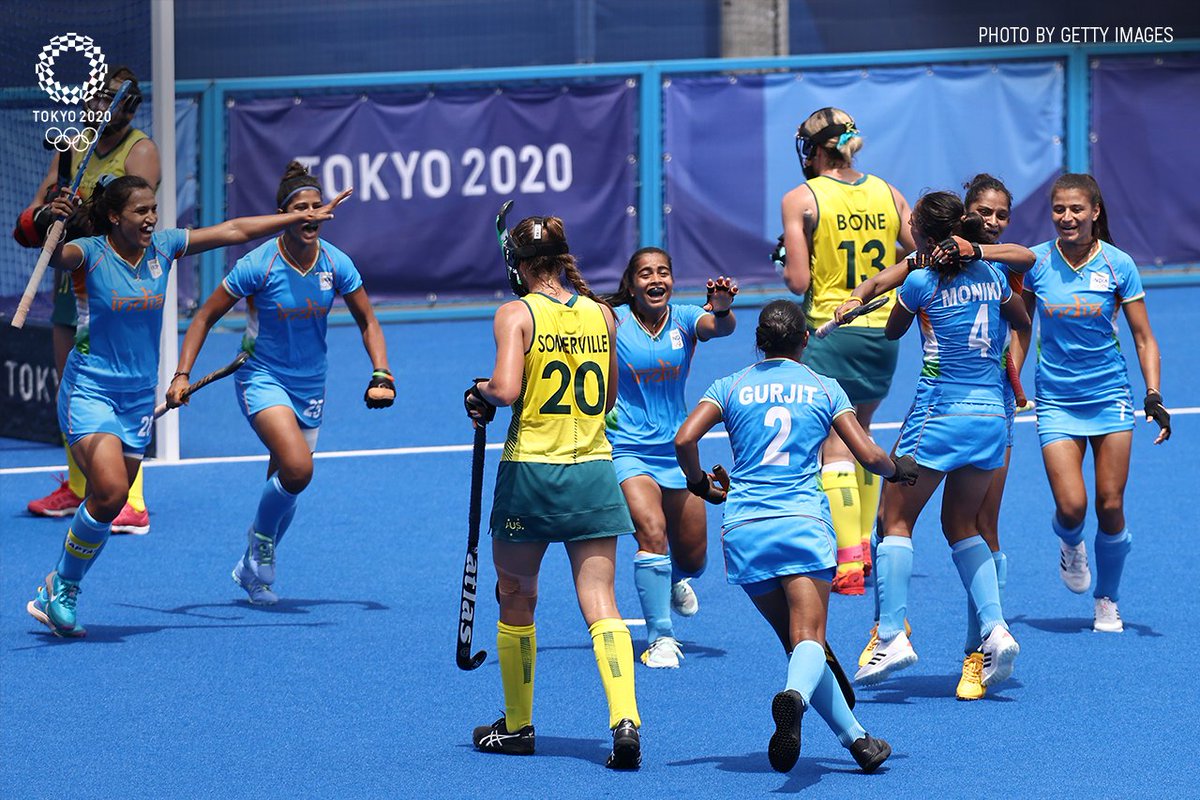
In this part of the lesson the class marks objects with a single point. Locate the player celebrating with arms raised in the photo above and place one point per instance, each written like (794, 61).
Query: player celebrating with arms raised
(840, 227)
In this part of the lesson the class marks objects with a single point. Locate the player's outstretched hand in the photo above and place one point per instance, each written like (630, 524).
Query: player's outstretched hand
(906, 470)
(325, 212)
(720, 294)
(1156, 411)
(478, 407)
(177, 391)
(712, 487)
(381, 391)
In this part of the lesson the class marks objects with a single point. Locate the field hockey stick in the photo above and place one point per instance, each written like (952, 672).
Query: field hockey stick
(54, 235)
(851, 315)
(215, 375)
(1014, 380)
(470, 583)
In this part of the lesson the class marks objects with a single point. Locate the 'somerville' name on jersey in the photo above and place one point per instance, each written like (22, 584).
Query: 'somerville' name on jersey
(971, 293)
(776, 393)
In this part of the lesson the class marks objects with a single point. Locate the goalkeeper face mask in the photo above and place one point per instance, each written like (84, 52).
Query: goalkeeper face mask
(514, 254)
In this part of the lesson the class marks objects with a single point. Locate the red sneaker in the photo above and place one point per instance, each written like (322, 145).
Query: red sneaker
(130, 521)
(62, 502)
(849, 582)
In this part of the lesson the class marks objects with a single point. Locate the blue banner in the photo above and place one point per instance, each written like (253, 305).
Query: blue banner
(730, 148)
(431, 170)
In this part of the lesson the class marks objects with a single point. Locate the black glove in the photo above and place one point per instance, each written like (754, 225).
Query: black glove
(779, 256)
(381, 391)
(906, 470)
(478, 407)
(1155, 411)
(712, 487)
(919, 261)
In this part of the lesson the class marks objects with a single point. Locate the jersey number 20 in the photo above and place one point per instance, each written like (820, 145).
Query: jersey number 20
(555, 404)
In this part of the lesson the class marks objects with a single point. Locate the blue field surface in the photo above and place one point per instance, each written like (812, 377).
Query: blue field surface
(348, 687)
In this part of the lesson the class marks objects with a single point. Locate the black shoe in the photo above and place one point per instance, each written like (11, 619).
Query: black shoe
(495, 738)
(870, 752)
(627, 747)
(784, 748)
(835, 667)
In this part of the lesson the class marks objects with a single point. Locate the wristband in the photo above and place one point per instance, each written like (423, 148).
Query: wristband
(184, 374)
(382, 373)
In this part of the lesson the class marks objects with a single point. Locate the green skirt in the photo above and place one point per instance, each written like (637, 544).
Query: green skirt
(861, 360)
(558, 502)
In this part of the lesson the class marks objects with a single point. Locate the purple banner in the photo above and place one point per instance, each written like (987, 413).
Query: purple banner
(1144, 154)
(431, 170)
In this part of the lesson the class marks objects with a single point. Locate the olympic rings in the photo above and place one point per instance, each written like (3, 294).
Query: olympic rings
(72, 138)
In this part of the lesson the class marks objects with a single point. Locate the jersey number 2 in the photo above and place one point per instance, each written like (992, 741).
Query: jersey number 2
(776, 456)
(555, 404)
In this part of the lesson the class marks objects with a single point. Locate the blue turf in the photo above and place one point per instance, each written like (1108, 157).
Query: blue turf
(348, 688)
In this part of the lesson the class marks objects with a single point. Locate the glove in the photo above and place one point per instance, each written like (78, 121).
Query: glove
(906, 470)
(478, 407)
(1155, 411)
(779, 256)
(381, 391)
(919, 261)
(712, 487)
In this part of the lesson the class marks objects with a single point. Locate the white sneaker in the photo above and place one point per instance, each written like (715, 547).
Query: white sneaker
(683, 598)
(999, 652)
(1108, 619)
(1073, 566)
(663, 652)
(890, 656)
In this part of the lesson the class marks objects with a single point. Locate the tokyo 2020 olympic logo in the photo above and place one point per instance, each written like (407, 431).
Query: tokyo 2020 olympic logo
(66, 43)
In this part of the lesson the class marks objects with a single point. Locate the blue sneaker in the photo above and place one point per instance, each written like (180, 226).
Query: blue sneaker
(262, 556)
(54, 607)
(260, 593)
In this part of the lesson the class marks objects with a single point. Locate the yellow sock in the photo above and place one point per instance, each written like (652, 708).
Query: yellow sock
(517, 646)
(75, 478)
(136, 498)
(869, 487)
(841, 487)
(614, 658)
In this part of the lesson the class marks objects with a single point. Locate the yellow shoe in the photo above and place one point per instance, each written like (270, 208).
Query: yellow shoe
(970, 686)
(873, 642)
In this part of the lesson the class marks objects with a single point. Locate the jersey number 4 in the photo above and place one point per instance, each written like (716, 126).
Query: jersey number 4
(874, 248)
(978, 339)
(555, 404)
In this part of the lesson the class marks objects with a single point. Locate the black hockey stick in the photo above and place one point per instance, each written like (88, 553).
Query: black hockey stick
(215, 375)
(470, 584)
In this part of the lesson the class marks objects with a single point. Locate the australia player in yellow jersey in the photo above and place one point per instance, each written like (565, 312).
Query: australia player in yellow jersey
(556, 365)
(840, 227)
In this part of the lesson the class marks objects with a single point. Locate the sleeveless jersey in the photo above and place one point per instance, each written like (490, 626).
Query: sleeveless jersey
(855, 238)
(559, 416)
(112, 162)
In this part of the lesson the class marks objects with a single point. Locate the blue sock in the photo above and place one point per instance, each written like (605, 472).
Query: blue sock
(275, 504)
(977, 570)
(830, 703)
(974, 639)
(893, 565)
(1111, 549)
(875, 568)
(284, 524)
(1071, 536)
(85, 539)
(678, 574)
(805, 666)
(652, 577)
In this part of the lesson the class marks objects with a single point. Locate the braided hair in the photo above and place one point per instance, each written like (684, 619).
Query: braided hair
(782, 329)
(552, 266)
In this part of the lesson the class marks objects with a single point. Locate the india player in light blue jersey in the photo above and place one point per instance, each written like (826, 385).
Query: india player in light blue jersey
(106, 395)
(956, 429)
(289, 284)
(1077, 286)
(655, 343)
(777, 532)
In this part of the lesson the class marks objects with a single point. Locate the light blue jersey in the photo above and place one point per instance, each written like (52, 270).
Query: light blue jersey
(1078, 353)
(778, 413)
(288, 309)
(120, 309)
(963, 334)
(651, 373)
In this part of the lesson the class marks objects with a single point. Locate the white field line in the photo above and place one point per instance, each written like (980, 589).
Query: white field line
(444, 448)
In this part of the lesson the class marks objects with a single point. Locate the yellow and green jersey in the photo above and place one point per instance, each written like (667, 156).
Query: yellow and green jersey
(855, 238)
(559, 416)
(112, 162)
